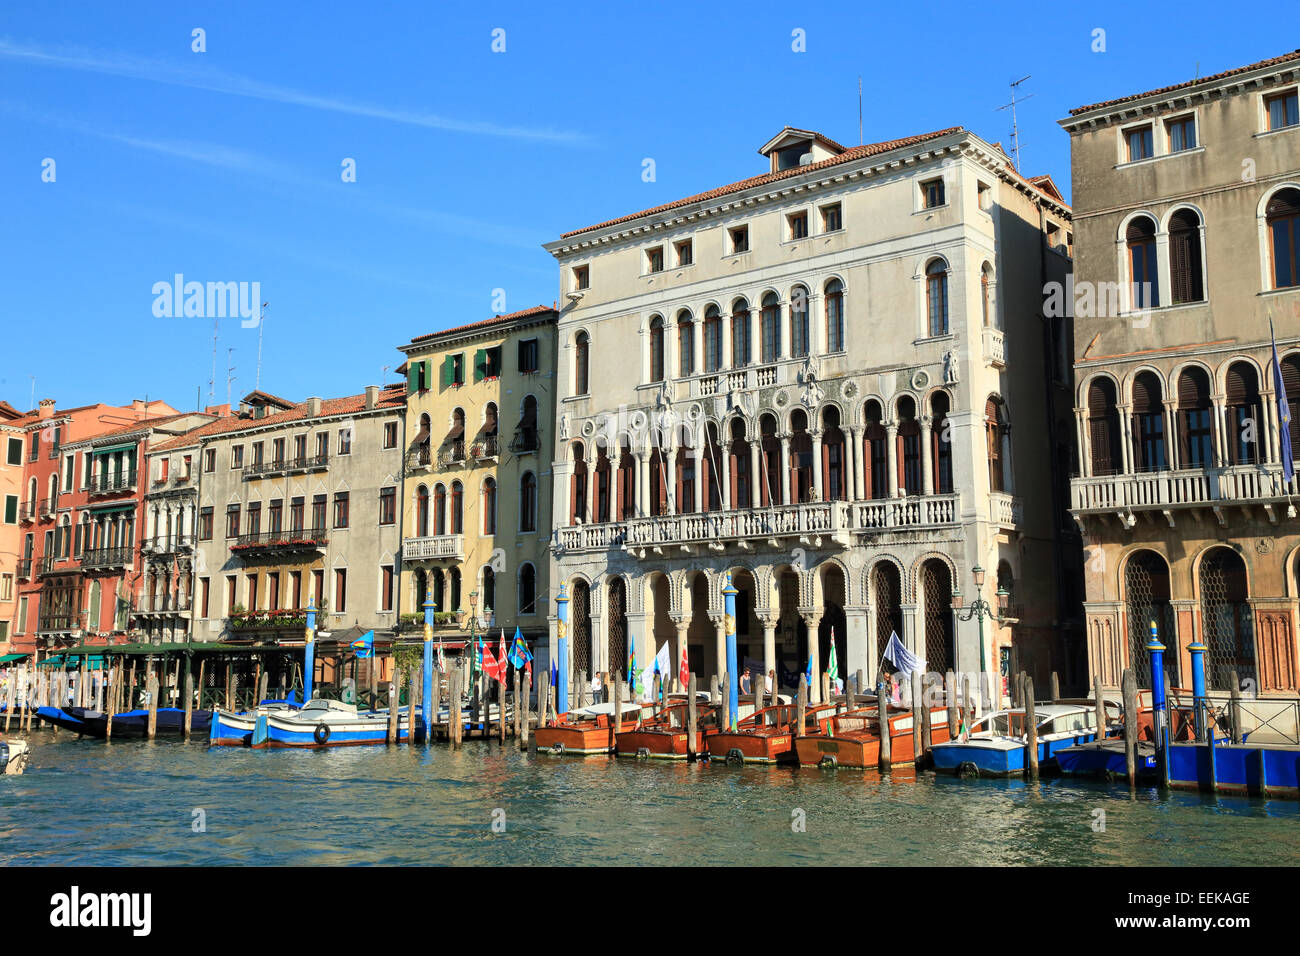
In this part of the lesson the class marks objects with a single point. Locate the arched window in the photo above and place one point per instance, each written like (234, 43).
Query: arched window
(1103, 427)
(770, 462)
(940, 443)
(1227, 623)
(527, 589)
(738, 460)
(489, 591)
(528, 502)
(454, 577)
(801, 457)
(656, 349)
(421, 440)
(936, 297)
(685, 344)
(582, 346)
(909, 447)
(1243, 414)
(1148, 424)
(834, 478)
(439, 509)
(1146, 593)
(604, 485)
(457, 508)
(1291, 380)
(422, 512)
(1195, 429)
(875, 450)
(712, 339)
(1185, 274)
(489, 506)
(1282, 215)
(770, 323)
(578, 486)
(1143, 276)
(440, 590)
(740, 351)
(799, 321)
(986, 302)
(834, 295)
(995, 425)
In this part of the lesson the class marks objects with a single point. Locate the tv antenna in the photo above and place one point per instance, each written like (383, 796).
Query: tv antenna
(212, 382)
(859, 110)
(261, 322)
(229, 368)
(1015, 127)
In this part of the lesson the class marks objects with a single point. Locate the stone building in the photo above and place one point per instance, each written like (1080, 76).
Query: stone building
(477, 490)
(1186, 206)
(833, 381)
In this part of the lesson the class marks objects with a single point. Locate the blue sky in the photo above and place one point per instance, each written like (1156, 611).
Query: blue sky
(225, 165)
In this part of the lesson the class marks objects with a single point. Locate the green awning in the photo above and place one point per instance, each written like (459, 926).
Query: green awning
(12, 658)
(51, 661)
(112, 509)
(126, 446)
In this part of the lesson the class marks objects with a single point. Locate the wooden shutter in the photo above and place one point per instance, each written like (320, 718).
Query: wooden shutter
(1291, 382)
(480, 365)
(413, 376)
(448, 371)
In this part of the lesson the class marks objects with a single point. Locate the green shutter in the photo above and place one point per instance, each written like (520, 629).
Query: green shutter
(480, 365)
(448, 371)
(413, 376)
(11, 509)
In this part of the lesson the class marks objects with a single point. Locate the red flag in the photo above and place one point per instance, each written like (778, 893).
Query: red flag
(684, 672)
(491, 666)
(504, 664)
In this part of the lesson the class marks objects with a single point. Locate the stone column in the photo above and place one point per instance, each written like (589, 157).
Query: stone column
(590, 493)
(720, 639)
(927, 472)
(642, 484)
(1270, 443)
(1125, 413)
(785, 467)
(818, 490)
(859, 476)
(859, 649)
(724, 478)
(1219, 413)
(1085, 446)
(891, 457)
(813, 620)
(769, 647)
(700, 465)
(1173, 452)
(755, 473)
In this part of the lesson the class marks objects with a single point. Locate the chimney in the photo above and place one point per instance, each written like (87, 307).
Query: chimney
(372, 397)
(47, 408)
(221, 411)
(313, 407)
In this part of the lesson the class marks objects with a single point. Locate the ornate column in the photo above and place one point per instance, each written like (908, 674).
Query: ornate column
(1085, 446)
(1270, 443)
(1125, 413)
(589, 493)
(812, 620)
(700, 464)
(1218, 405)
(642, 483)
(1173, 452)
(724, 479)
(891, 457)
(859, 478)
(682, 627)
(927, 472)
(768, 620)
(818, 490)
(756, 478)
(785, 467)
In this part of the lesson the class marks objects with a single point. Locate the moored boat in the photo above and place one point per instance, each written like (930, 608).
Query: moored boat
(228, 729)
(765, 736)
(588, 731)
(666, 736)
(1105, 758)
(325, 723)
(13, 756)
(997, 743)
(852, 739)
(61, 718)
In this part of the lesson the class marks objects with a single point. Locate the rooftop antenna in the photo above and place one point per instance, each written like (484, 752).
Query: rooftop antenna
(212, 382)
(33, 405)
(1015, 127)
(229, 378)
(859, 110)
(257, 381)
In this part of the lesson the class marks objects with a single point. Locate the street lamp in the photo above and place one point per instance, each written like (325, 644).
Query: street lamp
(980, 608)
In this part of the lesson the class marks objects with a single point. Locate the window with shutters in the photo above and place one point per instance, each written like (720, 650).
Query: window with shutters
(909, 447)
(1282, 215)
(685, 252)
(654, 259)
(1243, 414)
(799, 322)
(487, 364)
(875, 451)
(1291, 381)
(457, 508)
(1143, 277)
(529, 354)
(528, 502)
(739, 236)
(1103, 427)
(771, 327)
(15, 451)
(1185, 275)
(581, 348)
(996, 431)
(489, 506)
(685, 344)
(712, 339)
(439, 509)
(740, 350)
(604, 485)
(1195, 434)
(656, 349)
(341, 500)
(453, 370)
(1148, 424)
(936, 298)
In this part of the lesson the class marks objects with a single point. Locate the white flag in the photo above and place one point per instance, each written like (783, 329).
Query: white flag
(904, 661)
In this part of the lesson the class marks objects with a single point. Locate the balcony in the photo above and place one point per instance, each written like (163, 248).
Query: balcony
(995, 348)
(1004, 510)
(112, 482)
(103, 559)
(434, 548)
(280, 542)
(525, 440)
(27, 513)
(884, 514)
(46, 507)
(168, 544)
(45, 565)
(419, 457)
(484, 449)
(1169, 491)
(286, 466)
(24, 569)
(260, 626)
(452, 453)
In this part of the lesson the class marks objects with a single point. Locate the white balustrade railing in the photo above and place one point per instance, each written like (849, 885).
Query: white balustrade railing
(1161, 489)
(434, 546)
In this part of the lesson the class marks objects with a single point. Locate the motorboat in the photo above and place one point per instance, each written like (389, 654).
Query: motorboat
(14, 755)
(589, 730)
(228, 729)
(852, 739)
(767, 735)
(996, 745)
(666, 735)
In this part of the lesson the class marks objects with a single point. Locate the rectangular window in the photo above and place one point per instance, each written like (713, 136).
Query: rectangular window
(21, 624)
(390, 434)
(386, 588)
(69, 466)
(6, 587)
(56, 439)
(984, 195)
(274, 513)
(252, 591)
(205, 589)
(322, 446)
(11, 509)
(15, 452)
(317, 512)
(388, 505)
(273, 591)
(294, 598)
(296, 513)
(685, 252)
(255, 518)
(654, 259)
(232, 521)
(232, 594)
(581, 277)
(257, 454)
(345, 441)
(318, 587)
(487, 364)
(797, 225)
(932, 194)
(236, 456)
(1282, 110)
(1053, 236)
(209, 460)
(739, 239)
(205, 524)
(340, 590)
(1138, 143)
(299, 449)
(340, 509)
(832, 218)
(528, 354)
(1182, 133)
(277, 452)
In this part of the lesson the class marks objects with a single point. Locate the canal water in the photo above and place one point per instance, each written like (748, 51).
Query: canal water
(127, 803)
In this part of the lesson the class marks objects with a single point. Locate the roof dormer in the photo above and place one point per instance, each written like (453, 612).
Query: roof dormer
(799, 147)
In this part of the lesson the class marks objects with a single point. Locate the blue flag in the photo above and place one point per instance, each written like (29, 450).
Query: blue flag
(1283, 411)
(555, 674)
(808, 672)
(519, 654)
(364, 645)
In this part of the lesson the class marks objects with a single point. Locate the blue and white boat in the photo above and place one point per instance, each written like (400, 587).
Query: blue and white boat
(229, 729)
(1105, 758)
(324, 723)
(996, 745)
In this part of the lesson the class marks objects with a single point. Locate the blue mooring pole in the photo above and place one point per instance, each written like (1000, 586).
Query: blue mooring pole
(1197, 650)
(562, 651)
(426, 690)
(309, 653)
(733, 679)
(1157, 651)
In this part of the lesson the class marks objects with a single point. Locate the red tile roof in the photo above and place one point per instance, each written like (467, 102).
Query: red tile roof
(390, 396)
(259, 397)
(1274, 61)
(136, 426)
(486, 323)
(855, 152)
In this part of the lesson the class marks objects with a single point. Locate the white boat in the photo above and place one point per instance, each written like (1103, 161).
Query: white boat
(325, 723)
(997, 743)
(14, 755)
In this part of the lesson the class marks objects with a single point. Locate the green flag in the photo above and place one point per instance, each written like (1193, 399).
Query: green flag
(833, 666)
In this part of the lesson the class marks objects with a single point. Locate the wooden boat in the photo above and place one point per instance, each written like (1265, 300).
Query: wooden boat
(588, 731)
(135, 723)
(13, 756)
(1105, 758)
(996, 745)
(766, 736)
(666, 735)
(852, 739)
(61, 718)
(227, 729)
(325, 723)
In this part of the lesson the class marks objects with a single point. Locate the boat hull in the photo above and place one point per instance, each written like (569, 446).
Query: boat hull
(348, 732)
(1270, 771)
(569, 740)
(773, 745)
(861, 751)
(658, 744)
(1105, 758)
(989, 758)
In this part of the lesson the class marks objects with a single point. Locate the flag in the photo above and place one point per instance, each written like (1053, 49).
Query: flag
(519, 655)
(491, 666)
(364, 645)
(442, 660)
(833, 665)
(664, 663)
(476, 661)
(501, 655)
(1283, 411)
(632, 674)
(903, 660)
(555, 673)
(684, 672)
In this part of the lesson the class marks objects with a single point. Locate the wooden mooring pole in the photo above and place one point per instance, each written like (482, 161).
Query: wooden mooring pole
(801, 704)
(950, 695)
(413, 684)
(189, 699)
(692, 716)
(1129, 685)
(1031, 729)
(151, 686)
(885, 759)
(918, 706)
(1101, 707)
